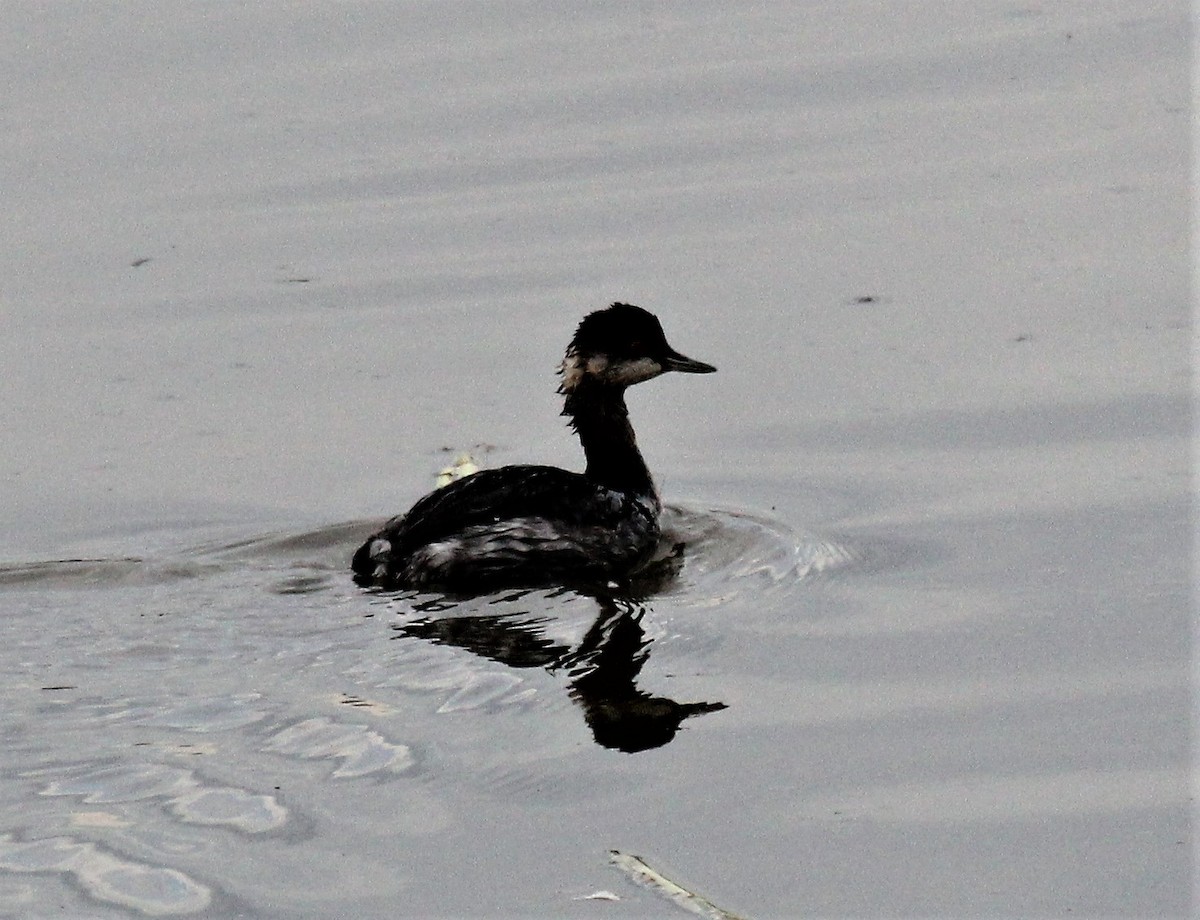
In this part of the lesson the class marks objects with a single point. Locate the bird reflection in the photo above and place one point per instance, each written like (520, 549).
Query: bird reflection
(603, 668)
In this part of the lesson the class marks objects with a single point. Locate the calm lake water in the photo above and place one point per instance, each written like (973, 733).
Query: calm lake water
(927, 647)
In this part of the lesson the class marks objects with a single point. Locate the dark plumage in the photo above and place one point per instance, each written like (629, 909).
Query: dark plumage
(537, 525)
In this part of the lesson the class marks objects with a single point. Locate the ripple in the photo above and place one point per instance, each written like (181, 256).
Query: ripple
(68, 573)
(311, 559)
(486, 691)
(328, 544)
(361, 750)
(186, 795)
(106, 876)
(732, 553)
(123, 783)
(209, 714)
(727, 553)
(228, 807)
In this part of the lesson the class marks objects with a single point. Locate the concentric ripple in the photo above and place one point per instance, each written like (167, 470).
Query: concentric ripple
(731, 554)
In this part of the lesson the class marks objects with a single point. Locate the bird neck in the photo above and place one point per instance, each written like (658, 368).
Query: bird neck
(597, 413)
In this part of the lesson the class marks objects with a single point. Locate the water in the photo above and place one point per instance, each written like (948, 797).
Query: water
(188, 710)
(179, 722)
(927, 649)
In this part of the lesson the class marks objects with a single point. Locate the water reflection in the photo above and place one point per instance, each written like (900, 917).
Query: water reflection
(602, 668)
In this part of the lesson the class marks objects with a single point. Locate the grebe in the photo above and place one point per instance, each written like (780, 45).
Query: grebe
(539, 525)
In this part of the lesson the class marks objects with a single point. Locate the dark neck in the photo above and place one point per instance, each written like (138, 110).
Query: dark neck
(599, 417)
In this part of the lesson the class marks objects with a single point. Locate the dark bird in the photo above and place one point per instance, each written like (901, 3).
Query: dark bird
(540, 525)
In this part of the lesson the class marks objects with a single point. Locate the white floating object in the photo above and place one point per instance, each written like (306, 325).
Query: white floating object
(598, 896)
(635, 867)
(464, 465)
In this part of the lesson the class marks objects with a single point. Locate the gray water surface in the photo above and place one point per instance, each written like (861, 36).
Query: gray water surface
(928, 648)
(195, 717)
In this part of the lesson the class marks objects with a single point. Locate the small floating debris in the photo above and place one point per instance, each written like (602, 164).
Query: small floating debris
(637, 869)
(598, 896)
(464, 465)
(374, 707)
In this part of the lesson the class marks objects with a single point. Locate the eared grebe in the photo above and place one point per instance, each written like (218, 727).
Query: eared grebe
(539, 525)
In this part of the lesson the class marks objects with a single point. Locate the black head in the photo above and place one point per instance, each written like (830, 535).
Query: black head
(622, 345)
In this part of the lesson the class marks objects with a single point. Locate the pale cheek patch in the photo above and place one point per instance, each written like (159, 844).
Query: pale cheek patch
(599, 367)
(628, 372)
